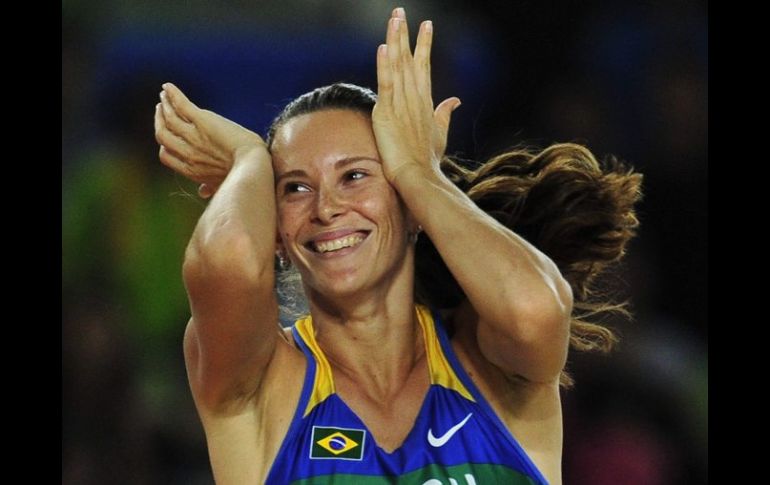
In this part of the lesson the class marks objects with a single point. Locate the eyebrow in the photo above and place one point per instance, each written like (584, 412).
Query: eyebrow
(344, 162)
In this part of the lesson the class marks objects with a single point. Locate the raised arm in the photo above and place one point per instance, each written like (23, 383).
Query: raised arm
(522, 302)
(228, 266)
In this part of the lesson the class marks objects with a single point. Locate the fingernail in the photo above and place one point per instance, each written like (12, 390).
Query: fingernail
(396, 24)
(164, 85)
(382, 50)
(429, 26)
(457, 105)
(400, 13)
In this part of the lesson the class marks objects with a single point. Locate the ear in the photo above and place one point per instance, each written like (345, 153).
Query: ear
(413, 228)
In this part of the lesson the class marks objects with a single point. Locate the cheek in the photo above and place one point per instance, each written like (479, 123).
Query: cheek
(288, 215)
(385, 207)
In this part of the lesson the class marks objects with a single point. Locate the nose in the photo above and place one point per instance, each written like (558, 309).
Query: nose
(329, 206)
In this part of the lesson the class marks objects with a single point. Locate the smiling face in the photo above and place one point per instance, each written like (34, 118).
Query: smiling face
(341, 223)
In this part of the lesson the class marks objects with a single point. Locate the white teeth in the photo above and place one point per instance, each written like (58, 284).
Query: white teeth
(336, 244)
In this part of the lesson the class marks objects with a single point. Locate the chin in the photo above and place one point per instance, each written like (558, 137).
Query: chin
(338, 287)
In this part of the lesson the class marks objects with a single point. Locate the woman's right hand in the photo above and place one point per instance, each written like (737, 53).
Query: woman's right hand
(198, 143)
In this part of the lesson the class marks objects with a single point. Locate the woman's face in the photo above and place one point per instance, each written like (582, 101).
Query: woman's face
(341, 223)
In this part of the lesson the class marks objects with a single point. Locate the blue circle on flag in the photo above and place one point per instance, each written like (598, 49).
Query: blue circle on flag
(337, 443)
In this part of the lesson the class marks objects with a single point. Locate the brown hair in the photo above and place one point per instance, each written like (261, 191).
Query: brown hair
(576, 210)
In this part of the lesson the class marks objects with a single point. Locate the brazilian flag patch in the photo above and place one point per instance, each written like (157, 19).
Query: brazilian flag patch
(340, 443)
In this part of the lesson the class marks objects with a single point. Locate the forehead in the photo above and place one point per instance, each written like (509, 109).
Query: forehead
(323, 136)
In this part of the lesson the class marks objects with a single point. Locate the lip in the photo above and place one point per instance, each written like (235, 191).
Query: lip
(335, 234)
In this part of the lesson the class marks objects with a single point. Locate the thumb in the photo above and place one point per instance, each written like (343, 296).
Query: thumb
(443, 113)
(442, 116)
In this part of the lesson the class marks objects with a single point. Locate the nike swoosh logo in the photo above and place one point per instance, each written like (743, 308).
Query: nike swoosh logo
(441, 441)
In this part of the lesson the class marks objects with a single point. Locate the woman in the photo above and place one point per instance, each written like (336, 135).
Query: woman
(373, 387)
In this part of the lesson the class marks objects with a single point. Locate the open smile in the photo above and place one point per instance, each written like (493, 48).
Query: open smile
(337, 243)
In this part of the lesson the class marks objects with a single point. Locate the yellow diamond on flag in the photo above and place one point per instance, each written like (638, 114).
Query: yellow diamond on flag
(337, 443)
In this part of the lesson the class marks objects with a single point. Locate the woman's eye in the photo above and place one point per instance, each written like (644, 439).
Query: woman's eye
(355, 175)
(294, 187)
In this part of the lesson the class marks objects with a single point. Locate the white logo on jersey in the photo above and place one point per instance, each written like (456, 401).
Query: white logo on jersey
(468, 478)
(441, 441)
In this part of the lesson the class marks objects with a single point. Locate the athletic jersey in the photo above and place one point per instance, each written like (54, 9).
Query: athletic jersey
(457, 438)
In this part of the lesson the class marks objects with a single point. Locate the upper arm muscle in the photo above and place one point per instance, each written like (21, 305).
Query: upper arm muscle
(231, 336)
(538, 358)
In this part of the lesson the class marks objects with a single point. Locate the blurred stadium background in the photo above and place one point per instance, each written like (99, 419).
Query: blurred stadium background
(627, 78)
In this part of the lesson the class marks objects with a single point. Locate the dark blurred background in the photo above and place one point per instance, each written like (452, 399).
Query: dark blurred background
(623, 77)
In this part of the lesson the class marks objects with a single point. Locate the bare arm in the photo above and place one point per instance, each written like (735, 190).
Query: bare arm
(228, 266)
(522, 301)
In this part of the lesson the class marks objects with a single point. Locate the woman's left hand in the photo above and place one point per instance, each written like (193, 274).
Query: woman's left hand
(407, 128)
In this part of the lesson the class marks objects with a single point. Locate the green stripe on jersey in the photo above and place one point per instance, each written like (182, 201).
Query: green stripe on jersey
(466, 474)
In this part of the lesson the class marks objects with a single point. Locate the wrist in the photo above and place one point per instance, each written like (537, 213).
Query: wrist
(257, 150)
(410, 173)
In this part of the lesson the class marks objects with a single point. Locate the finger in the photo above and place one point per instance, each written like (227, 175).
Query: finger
(175, 163)
(157, 121)
(174, 123)
(422, 57)
(403, 36)
(193, 172)
(162, 134)
(412, 95)
(442, 116)
(185, 108)
(393, 50)
(183, 149)
(165, 137)
(384, 77)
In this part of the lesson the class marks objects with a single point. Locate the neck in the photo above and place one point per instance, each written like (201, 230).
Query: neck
(373, 338)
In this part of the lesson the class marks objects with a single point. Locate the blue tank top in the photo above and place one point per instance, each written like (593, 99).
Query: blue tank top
(457, 438)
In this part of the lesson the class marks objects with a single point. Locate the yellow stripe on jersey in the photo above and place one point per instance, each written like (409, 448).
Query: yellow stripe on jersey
(441, 372)
(323, 385)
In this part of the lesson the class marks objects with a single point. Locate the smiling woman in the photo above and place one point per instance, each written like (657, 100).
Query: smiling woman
(429, 359)
(341, 223)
